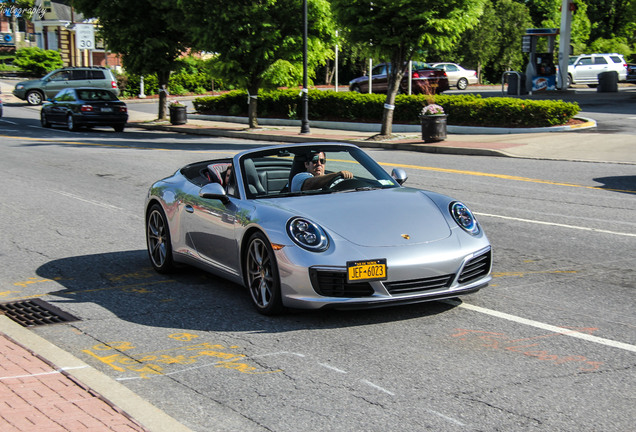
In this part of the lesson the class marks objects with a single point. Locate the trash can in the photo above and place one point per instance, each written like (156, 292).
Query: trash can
(433, 127)
(178, 115)
(607, 82)
(513, 84)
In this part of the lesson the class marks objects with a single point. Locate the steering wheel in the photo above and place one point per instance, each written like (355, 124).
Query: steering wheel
(334, 181)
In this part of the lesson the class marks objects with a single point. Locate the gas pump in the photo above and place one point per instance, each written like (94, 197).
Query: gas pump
(541, 72)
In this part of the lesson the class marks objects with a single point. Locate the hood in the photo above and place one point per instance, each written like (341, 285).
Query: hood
(376, 218)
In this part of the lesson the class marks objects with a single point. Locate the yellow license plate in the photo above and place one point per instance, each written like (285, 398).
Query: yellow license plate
(358, 271)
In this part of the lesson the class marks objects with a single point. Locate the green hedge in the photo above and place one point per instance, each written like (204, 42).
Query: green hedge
(178, 84)
(464, 110)
(36, 61)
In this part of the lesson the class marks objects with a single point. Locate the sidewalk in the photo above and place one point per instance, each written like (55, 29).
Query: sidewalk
(558, 143)
(45, 389)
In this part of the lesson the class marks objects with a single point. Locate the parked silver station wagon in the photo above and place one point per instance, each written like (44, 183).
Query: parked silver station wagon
(37, 91)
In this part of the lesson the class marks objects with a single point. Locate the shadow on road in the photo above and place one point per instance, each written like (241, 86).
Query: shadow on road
(126, 285)
(624, 184)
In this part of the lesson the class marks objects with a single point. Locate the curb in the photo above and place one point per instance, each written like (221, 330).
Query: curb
(399, 128)
(388, 145)
(115, 393)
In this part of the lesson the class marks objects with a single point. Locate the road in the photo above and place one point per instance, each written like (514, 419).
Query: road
(549, 345)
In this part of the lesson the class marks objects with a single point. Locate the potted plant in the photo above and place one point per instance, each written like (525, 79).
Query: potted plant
(178, 114)
(433, 123)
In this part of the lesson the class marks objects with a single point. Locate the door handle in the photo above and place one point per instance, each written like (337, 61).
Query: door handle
(189, 208)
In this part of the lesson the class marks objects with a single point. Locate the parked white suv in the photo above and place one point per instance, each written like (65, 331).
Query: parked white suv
(584, 68)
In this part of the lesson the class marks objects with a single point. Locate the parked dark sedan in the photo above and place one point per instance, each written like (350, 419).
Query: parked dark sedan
(85, 106)
(424, 79)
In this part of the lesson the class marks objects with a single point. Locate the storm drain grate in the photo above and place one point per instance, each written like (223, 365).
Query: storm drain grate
(36, 312)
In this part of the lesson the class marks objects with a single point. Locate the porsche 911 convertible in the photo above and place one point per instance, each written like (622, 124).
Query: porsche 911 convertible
(352, 237)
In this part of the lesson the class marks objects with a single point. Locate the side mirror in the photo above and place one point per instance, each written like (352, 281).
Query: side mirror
(214, 191)
(399, 175)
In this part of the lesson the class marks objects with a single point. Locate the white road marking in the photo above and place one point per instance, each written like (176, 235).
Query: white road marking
(377, 387)
(548, 327)
(557, 224)
(332, 368)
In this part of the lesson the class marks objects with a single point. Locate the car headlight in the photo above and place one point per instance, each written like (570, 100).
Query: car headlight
(307, 234)
(19, 87)
(464, 218)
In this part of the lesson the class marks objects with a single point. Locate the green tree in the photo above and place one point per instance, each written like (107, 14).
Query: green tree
(259, 42)
(143, 32)
(513, 20)
(397, 29)
(612, 18)
(480, 44)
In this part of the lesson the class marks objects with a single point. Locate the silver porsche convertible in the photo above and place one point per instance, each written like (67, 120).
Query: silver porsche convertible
(349, 236)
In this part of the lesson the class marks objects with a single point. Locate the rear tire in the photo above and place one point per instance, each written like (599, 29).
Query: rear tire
(45, 123)
(462, 84)
(119, 127)
(158, 240)
(70, 123)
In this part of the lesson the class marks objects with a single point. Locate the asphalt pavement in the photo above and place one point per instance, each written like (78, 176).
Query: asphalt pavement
(43, 388)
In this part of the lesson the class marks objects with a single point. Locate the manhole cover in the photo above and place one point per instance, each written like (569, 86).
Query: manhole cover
(35, 312)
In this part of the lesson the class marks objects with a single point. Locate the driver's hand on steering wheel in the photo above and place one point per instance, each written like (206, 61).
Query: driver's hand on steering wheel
(346, 174)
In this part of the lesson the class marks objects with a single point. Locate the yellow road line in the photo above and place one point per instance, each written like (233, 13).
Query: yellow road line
(504, 177)
(416, 167)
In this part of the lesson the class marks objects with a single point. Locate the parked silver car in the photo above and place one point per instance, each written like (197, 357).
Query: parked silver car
(361, 240)
(35, 92)
(584, 68)
(457, 75)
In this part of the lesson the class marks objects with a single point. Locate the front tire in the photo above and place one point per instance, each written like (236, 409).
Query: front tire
(158, 240)
(263, 281)
(462, 84)
(34, 97)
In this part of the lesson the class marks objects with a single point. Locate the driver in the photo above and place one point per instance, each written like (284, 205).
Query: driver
(314, 176)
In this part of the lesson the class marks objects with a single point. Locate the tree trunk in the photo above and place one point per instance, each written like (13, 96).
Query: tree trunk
(395, 78)
(163, 77)
(387, 114)
(252, 113)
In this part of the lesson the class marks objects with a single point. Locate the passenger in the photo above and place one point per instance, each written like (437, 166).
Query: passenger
(227, 176)
(314, 176)
(228, 180)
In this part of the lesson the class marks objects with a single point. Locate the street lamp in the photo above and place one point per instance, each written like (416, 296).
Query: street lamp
(304, 126)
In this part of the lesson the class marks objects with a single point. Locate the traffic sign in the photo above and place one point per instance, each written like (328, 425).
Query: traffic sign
(85, 36)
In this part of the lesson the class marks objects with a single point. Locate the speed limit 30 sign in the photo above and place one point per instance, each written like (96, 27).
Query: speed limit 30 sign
(85, 36)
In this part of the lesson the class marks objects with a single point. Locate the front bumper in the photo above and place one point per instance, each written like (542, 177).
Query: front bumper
(326, 286)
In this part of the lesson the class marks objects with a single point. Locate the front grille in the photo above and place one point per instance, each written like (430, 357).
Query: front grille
(417, 285)
(34, 313)
(476, 268)
(334, 284)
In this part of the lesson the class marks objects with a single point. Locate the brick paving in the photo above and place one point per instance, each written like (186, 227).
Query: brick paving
(36, 397)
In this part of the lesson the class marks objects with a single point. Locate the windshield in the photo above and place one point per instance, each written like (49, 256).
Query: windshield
(269, 173)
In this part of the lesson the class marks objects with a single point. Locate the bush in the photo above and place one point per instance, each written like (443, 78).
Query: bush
(37, 61)
(465, 110)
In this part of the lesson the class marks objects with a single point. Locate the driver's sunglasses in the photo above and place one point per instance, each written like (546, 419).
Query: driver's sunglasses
(317, 159)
